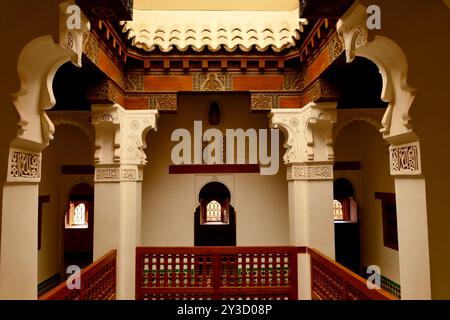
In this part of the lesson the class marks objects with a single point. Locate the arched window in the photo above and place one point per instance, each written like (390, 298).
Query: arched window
(79, 207)
(337, 210)
(77, 215)
(213, 212)
(214, 218)
(345, 207)
(214, 204)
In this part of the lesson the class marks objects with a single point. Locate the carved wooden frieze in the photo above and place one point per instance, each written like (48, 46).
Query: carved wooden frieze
(118, 10)
(134, 81)
(293, 81)
(105, 92)
(331, 9)
(405, 159)
(164, 102)
(262, 101)
(24, 166)
(213, 81)
(335, 47)
(321, 90)
(90, 47)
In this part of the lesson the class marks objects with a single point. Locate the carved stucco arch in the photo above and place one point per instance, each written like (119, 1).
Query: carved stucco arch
(347, 116)
(392, 64)
(348, 122)
(37, 65)
(80, 120)
(220, 180)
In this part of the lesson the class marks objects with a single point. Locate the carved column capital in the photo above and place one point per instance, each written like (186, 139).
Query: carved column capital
(120, 134)
(308, 132)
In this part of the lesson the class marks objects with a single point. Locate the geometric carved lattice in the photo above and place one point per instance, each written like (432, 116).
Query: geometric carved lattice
(216, 273)
(98, 282)
(331, 281)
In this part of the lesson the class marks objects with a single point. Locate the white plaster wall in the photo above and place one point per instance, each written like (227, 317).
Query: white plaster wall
(360, 141)
(70, 147)
(169, 201)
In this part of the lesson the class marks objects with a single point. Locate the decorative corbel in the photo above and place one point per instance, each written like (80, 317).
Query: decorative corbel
(289, 122)
(308, 132)
(124, 131)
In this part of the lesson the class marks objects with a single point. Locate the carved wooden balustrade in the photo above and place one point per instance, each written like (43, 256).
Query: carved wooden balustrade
(332, 281)
(98, 282)
(205, 273)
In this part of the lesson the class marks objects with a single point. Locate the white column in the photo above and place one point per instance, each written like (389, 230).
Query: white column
(397, 129)
(120, 157)
(412, 224)
(19, 250)
(309, 160)
(37, 65)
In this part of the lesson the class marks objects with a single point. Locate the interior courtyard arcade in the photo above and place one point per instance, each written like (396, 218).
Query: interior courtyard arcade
(95, 112)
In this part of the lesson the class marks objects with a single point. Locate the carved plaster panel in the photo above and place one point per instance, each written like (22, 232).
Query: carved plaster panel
(24, 166)
(113, 174)
(319, 172)
(405, 159)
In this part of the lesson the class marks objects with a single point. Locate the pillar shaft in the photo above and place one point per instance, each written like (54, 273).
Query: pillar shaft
(310, 181)
(414, 260)
(19, 254)
(120, 143)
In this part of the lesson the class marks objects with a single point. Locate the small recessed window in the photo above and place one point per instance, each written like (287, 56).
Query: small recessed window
(337, 210)
(213, 212)
(77, 215)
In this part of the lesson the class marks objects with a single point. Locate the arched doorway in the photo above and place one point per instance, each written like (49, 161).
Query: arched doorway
(346, 227)
(79, 226)
(215, 218)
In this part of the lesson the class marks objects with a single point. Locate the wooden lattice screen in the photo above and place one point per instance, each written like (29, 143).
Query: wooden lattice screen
(98, 282)
(332, 281)
(212, 273)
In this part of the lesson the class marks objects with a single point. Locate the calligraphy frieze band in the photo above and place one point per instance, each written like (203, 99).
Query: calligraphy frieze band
(405, 159)
(316, 172)
(24, 166)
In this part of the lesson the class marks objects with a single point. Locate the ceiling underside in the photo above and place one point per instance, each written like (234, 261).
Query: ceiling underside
(213, 30)
(212, 5)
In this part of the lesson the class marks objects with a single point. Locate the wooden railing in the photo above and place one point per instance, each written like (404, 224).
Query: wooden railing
(204, 273)
(98, 282)
(332, 281)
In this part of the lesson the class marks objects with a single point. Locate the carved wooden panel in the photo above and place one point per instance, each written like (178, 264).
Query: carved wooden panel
(314, 9)
(211, 273)
(98, 282)
(331, 281)
(107, 9)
